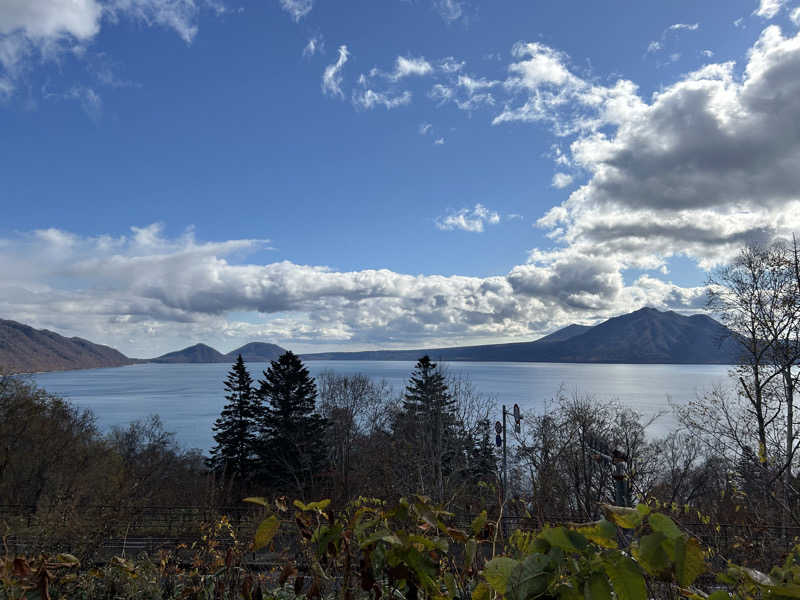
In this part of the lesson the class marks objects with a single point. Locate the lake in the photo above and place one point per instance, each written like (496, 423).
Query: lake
(189, 397)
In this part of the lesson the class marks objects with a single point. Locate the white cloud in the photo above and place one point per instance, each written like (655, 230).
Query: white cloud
(707, 53)
(297, 8)
(407, 66)
(654, 46)
(450, 10)
(315, 44)
(561, 180)
(148, 294)
(684, 27)
(179, 15)
(370, 99)
(466, 219)
(739, 23)
(40, 19)
(438, 141)
(767, 9)
(795, 15)
(425, 128)
(331, 77)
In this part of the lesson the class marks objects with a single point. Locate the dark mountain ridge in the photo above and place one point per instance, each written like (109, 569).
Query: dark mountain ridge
(24, 349)
(201, 353)
(644, 336)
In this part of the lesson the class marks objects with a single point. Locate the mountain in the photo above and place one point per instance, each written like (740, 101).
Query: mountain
(199, 353)
(644, 336)
(24, 349)
(256, 352)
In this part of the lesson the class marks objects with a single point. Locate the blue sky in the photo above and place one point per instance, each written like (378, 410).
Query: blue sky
(384, 173)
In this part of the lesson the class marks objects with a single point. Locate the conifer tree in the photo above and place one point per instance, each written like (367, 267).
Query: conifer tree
(234, 454)
(293, 450)
(430, 424)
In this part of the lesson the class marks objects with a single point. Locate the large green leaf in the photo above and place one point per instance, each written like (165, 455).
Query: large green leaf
(626, 578)
(689, 560)
(481, 592)
(566, 539)
(265, 532)
(663, 524)
(529, 578)
(598, 588)
(479, 522)
(602, 532)
(627, 518)
(497, 572)
(652, 555)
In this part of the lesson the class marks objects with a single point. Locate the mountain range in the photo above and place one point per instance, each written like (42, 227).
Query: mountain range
(24, 349)
(200, 353)
(644, 336)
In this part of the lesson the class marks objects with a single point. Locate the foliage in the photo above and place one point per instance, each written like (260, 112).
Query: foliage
(290, 451)
(234, 454)
(414, 549)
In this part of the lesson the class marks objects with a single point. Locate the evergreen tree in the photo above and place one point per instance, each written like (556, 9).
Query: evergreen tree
(483, 461)
(235, 451)
(293, 447)
(430, 424)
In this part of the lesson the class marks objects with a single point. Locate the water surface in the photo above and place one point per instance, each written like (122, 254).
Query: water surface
(189, 397)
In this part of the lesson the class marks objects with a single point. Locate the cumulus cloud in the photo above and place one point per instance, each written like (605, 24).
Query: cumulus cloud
(147, 294)
(767, 9)
(35, 31)
(561, 180)
(332, 77)
(466, 219)
(700, 169)
(297, 8)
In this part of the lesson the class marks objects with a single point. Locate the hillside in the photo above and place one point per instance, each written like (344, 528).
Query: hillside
(24, 349)
(199, 353)
(256, 352)
(644, 336)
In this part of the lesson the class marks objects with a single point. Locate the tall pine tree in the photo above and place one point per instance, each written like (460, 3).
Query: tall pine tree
(430, 424)
(293, 450)
(234, 454)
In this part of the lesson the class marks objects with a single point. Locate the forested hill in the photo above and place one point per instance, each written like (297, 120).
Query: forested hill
(24, 349)
(644, 336)
(257, 352)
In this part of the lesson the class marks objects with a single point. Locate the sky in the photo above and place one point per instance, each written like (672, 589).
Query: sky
(384, 173)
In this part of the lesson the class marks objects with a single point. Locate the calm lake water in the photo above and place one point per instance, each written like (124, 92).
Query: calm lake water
(189, 397)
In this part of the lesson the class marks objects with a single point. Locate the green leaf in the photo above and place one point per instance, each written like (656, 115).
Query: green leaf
(470, 550)
(689, 561)
(719, 595)
(602, 532)
(663, 524)
(643, 509)
(529, 578)
(652, 555)
(265, 532)
(626, 578)
(497, 572)
(627, 518)
(481, 592)
(566, 539)
(598, 588)
(317, 506)
(479, 522)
